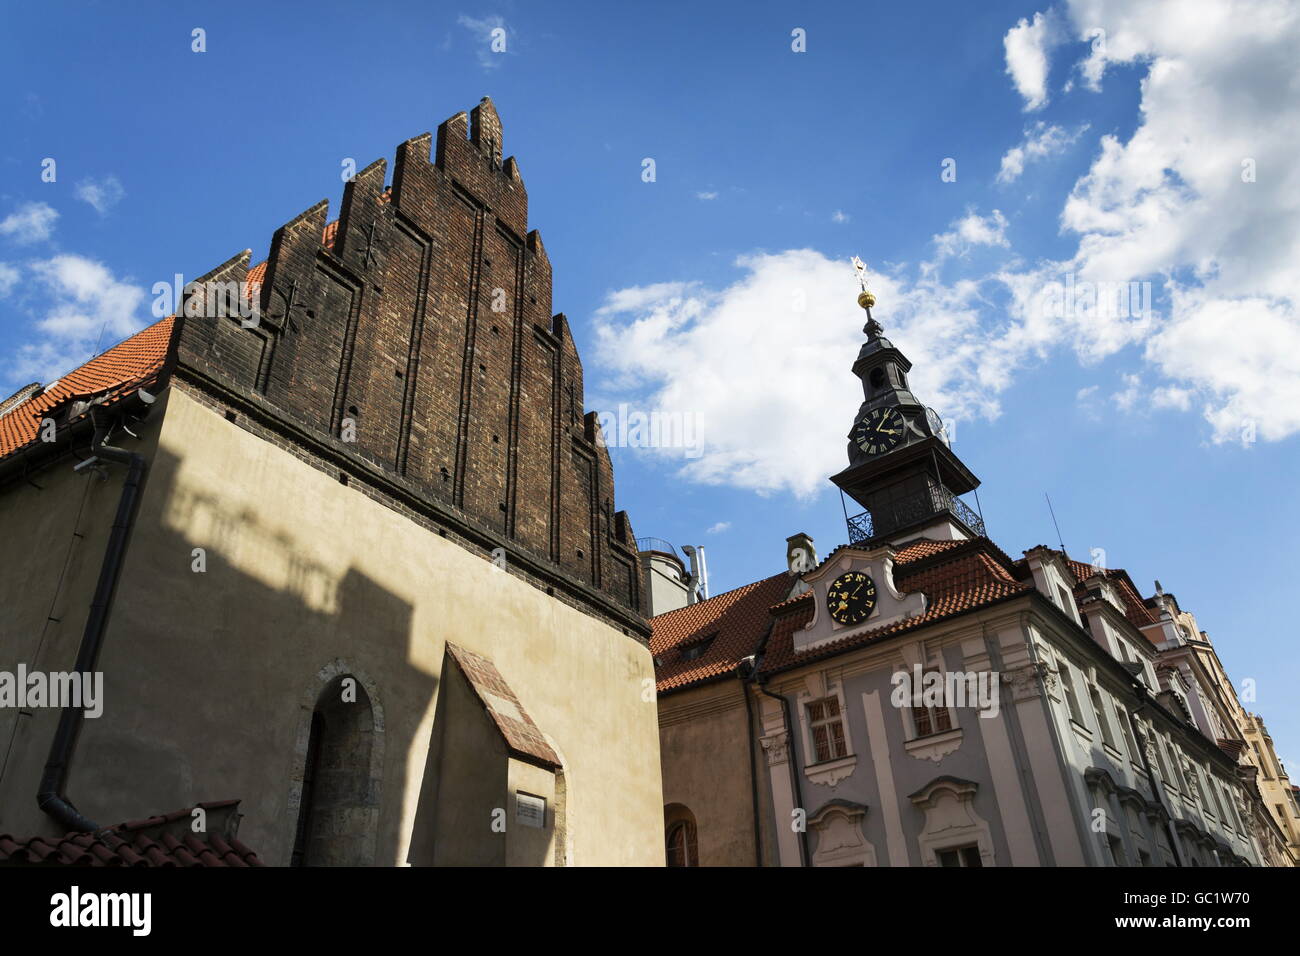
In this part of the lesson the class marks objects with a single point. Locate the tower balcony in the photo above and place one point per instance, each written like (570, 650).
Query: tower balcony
(911, 509)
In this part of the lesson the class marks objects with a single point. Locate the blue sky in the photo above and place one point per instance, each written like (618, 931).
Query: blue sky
(722, 289)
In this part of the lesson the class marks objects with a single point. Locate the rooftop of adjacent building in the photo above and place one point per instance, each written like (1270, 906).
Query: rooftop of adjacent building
(169, 839)
(708, 640)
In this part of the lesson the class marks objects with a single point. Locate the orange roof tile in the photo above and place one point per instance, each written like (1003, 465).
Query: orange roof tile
(166, 840)
(1138, 614)
(126, 366)
(973, 578)
(975, 574)
(738, 619)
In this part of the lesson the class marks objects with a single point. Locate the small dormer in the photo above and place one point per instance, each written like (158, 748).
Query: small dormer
(1103, 588)
(1165, 632)
(1053, 579)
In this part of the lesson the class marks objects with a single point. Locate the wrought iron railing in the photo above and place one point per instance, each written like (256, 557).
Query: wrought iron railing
(656, 544)
(911, 508)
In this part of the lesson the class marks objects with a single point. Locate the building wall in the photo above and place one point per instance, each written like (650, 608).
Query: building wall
(1039, 770)
(887, 764)
(55, 529)
(704, 742)
(211, 677)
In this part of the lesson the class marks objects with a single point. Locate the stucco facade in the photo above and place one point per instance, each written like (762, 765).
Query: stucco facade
(211, 676)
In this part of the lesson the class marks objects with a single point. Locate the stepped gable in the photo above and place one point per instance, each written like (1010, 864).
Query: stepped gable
(421, 319)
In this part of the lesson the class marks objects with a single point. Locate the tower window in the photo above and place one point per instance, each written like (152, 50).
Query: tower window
(877, 378)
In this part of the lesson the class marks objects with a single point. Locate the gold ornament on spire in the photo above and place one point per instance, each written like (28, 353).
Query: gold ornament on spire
(865, 298)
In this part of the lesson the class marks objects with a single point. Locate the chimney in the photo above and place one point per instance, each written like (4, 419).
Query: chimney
(698, 579)
(800, 555)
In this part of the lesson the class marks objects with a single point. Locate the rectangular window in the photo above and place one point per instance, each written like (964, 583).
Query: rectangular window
(1099, 711)
(1126, 731)
(1067, 687)
(1117, 852)
(960, 856)
(827, 726)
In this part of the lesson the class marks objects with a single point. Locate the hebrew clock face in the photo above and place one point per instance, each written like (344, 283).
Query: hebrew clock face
(879, 430)
(851, 597)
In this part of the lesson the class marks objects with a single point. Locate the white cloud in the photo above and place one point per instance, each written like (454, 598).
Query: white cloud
(1168, 205)
(1127, 397)
(972, 230)
(1171, 200)
(485, 31)
(30, 222)
(8, 279)
(1040, 142)
(102, 194)
(1171, 396)
(785, 326)
(82, 304)
(1027, 46)
(839, 216)
(706, 195)
(718, 528)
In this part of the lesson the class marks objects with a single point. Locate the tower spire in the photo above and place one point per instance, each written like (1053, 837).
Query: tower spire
(866, 299)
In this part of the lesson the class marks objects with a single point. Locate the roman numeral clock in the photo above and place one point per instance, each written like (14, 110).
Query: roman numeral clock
(879, 430)
(902, 468)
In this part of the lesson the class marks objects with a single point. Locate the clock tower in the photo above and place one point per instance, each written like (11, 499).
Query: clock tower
(902, 469)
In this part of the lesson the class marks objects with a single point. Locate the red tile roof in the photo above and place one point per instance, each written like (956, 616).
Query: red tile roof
(167, 840)
(521, 734)
(128, 365)
(739, 618)
(972, 578)
(1138, 614)
(956, 576)
(125, 367)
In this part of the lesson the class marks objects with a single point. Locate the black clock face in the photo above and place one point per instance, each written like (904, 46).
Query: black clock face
(879, 430)
(851, 598)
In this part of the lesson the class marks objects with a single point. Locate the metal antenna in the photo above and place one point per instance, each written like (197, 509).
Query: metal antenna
(1059, 539)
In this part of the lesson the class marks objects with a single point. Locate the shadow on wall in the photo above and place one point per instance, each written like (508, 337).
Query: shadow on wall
(252, 670)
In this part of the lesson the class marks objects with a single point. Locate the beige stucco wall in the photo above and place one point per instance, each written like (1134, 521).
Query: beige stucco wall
(703, 734)
(210, 677)
(53, 531)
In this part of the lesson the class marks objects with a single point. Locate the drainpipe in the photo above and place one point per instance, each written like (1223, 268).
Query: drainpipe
(1146, 765)
(745, 670)
(794, 769)
(50, 795)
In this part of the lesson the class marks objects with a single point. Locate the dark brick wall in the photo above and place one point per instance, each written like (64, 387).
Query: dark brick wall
(428, 324)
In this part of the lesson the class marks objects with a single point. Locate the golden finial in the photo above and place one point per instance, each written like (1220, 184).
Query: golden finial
(865, 299)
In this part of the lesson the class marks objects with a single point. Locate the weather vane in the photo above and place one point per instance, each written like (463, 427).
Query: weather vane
(866, 299)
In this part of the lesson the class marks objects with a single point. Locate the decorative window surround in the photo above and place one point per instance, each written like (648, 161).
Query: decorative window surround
(935, 746)
(951, 820)
(818, 686)
(831, 772)
(840, 842)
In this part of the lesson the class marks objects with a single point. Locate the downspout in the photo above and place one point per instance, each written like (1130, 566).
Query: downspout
(745, 670)
(1146, 765)
(794, 769)
(53, 781)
